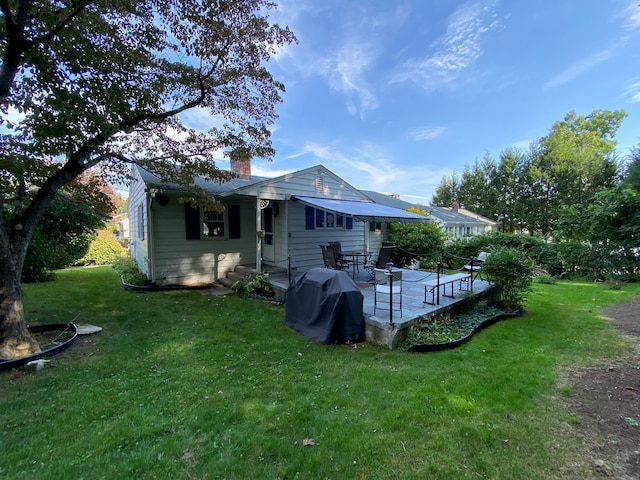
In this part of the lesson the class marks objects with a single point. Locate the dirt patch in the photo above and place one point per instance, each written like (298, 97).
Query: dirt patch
(607, 401)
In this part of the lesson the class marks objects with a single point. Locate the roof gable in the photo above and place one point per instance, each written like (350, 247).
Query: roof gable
(317, 181)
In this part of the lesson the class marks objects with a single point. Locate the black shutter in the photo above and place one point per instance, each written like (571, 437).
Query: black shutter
(310, 218)
(234, 220)
(349, 223)
(192, 222)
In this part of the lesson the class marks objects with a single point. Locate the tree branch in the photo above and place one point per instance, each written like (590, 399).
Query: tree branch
(57, 28)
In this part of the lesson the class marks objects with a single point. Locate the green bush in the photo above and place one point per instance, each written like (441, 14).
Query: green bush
(511, 270)
(422, 241)
(105, 249)
(256, 285)
(127, 268)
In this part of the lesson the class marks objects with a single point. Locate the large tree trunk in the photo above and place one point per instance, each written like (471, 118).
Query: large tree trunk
(15, 341)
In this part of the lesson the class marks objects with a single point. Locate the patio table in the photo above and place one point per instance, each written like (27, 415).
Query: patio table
(355, 258)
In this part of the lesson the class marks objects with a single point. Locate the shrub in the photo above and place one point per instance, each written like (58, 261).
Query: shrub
(546, 279)
(257, 285)
(422, 241)
(511, 270)
(127, 268)
(105, 249)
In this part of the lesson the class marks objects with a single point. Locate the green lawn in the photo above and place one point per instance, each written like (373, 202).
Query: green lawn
(180, 385)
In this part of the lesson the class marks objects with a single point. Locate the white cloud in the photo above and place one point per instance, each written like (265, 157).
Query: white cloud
(319, 151)
(521, 145)
(633, 91)
(632, 16)
(346, 74)
(428, 133)
(578, 68)
(200, 119)
(456, 50)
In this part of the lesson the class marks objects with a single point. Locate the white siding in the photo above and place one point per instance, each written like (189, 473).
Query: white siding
(312, 182)
(304, 245)
(138, 245)
(178, 261)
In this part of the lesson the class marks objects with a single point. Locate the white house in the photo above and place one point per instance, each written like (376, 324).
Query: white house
(456, 222)
(279, 221)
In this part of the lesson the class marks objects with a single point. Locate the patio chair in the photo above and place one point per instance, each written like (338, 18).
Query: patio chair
(337, 251)
(329, 258)
(384, 257)
(475, 265)
(389, 284)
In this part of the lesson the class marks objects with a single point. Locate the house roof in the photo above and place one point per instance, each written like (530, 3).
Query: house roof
(387, 200)
(362, 211)
(151, 180)
(476, 216)
(442, 214)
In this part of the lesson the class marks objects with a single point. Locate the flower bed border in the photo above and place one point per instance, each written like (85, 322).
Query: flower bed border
(18, 362)
(436, 347)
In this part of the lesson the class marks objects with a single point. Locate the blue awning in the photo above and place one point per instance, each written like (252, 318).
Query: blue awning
(362, 211)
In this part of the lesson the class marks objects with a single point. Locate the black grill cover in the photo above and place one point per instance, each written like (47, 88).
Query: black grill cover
(326, 306)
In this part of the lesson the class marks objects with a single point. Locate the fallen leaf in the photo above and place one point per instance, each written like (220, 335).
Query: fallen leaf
(507, 441)
(308, 442)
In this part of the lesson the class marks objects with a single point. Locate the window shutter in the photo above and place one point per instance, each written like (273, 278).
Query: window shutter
(192, 222)
(349, 225)
(234, 220)
(310, 218)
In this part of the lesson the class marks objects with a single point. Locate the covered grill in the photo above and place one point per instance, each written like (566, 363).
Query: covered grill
(326, 306)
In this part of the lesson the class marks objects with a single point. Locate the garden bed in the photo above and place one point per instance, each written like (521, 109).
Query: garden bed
(53, 339)
(445, 332)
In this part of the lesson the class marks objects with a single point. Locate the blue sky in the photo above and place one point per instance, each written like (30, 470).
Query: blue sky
(394, 95)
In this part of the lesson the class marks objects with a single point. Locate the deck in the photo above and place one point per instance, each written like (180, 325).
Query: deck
(389, 328)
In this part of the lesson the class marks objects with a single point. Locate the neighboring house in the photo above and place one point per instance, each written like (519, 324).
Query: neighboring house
(458, 222)
(454, 221)
(121, 223)
(266, 221)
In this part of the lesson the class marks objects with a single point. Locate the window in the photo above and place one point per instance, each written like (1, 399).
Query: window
(210, 224)
(213, 224)
(318, 218)
(331, 222)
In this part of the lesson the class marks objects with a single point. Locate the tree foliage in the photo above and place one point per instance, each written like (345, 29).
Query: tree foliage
(67, 229)
(108, 82)
(416, 240)
(528, 190)
(511, 270)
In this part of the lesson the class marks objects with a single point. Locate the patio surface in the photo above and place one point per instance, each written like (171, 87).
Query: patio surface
(413, 307)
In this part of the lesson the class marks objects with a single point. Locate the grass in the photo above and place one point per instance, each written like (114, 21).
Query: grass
(182, 385)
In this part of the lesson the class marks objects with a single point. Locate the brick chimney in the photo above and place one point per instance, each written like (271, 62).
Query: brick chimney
(241, 167)
(455, 206)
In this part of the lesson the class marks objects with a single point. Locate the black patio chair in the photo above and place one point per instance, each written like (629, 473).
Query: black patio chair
(337, 251)
(329, 258)
(384, 257)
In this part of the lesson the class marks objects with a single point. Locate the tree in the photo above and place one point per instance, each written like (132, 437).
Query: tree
(574, 162)
(632, 171)
(67, 229)
(447, 191)
(610, 223)
(101, 82)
